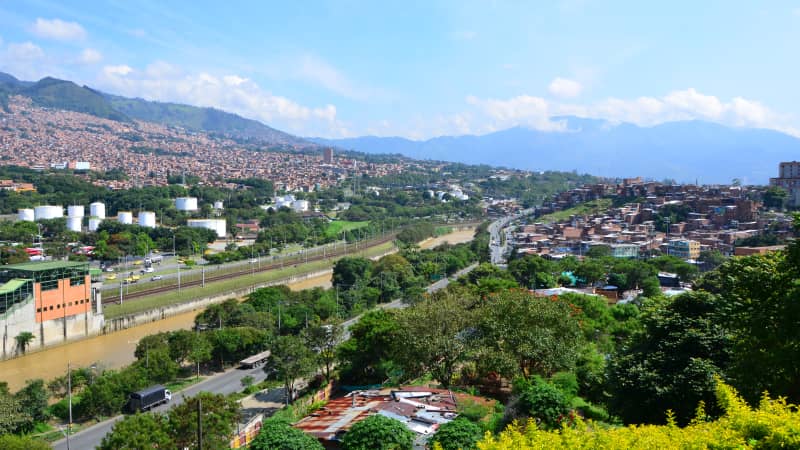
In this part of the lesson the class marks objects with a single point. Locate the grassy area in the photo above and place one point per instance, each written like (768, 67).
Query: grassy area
(441, 231)
(588, 208)
(233, 284)
(337, 226)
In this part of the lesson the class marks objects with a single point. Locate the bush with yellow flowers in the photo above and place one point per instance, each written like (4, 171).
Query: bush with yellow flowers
(774, 424)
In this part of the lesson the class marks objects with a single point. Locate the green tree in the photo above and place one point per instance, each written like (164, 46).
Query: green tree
(534, 272)
(541, 401)
(33, 399)
(292, 359)
(218, 416)
(367, 356)
(775, 197)
(435, 336)
(670, 363)
(324, 339)
(23, 339)
(12, 442)
(460, 434)
(525, 335)
(12, 416)
(349, 271)
(378, 432)
(139, 432)
(278, 435)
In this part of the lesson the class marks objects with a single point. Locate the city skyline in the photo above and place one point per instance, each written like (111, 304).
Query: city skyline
(337, 69)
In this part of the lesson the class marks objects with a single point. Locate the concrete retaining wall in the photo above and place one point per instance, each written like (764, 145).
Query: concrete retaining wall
(132, 320)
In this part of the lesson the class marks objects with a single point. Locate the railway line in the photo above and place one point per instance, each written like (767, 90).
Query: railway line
(264, 268)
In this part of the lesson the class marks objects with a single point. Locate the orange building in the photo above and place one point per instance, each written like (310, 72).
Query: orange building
(60, 289)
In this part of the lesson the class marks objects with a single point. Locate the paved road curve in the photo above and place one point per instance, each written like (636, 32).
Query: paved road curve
(224, 383)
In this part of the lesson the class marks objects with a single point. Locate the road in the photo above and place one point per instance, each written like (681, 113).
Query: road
(227, 382)
(498, 247)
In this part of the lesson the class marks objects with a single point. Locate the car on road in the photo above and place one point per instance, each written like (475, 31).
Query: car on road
(111, 277)
(109, 269)
(156, 278)
(253, 261)
(148, 270)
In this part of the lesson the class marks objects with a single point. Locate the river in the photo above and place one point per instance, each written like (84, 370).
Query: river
(114, 350)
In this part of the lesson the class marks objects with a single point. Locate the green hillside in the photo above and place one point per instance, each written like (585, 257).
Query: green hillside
(61, 94)
(199, 119)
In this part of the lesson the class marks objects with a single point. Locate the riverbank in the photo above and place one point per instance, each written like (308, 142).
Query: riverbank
(115, 349)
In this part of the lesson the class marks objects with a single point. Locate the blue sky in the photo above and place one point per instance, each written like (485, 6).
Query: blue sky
(426, 68)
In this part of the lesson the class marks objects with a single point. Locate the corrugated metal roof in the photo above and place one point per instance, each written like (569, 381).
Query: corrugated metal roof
(13, 285)
(46, 265)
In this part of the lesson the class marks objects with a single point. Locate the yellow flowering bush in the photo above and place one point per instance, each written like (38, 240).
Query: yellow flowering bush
(774, 424)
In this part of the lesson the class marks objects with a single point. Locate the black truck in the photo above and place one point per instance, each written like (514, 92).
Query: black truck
(149, 398)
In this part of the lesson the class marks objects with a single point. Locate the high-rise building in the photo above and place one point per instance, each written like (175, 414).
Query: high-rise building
(327, 155)
(789, 180)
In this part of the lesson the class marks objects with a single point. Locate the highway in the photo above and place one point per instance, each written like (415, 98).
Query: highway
(226, 382)
(498, 247)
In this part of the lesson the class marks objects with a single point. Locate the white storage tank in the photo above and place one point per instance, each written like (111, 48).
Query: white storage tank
(300, 205)
(75, 224)
(186, 203)
(75, 211)
(125, 217)
(48, 212)
(218, 204)
(94, 223)
(97, 209)
(26, 215)
(147, 219)
(218, 225)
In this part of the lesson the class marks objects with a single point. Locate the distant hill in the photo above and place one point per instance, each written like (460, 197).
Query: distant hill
(210, 120)
(684, 151)
(61, 94)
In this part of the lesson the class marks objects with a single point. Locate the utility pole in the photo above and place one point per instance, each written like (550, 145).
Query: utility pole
(179, 278)
(69, 395)
(204, 275)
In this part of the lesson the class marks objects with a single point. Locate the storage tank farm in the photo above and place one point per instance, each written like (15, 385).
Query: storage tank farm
(147, 219)
(26, 215)
(75, 211)
(94, 223)
(218, 225)
(48, 212)
(98, 210)
(125, 217)
(75, 223)
(186, 203)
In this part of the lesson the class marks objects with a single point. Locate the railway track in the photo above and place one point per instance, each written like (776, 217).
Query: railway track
(264, 268)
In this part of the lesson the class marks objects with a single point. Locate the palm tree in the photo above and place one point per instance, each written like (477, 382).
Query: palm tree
(23, 339)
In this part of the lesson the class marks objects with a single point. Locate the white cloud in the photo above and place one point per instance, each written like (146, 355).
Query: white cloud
(565, 88)
(90, 56)
(320, 72)
(234, 80)
(120, 70)
(26, 51)
(58, 29)
(163, 82)
(687, 104)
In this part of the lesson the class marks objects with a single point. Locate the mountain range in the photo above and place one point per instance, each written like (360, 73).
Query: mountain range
(62, 94)
(686, 151)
